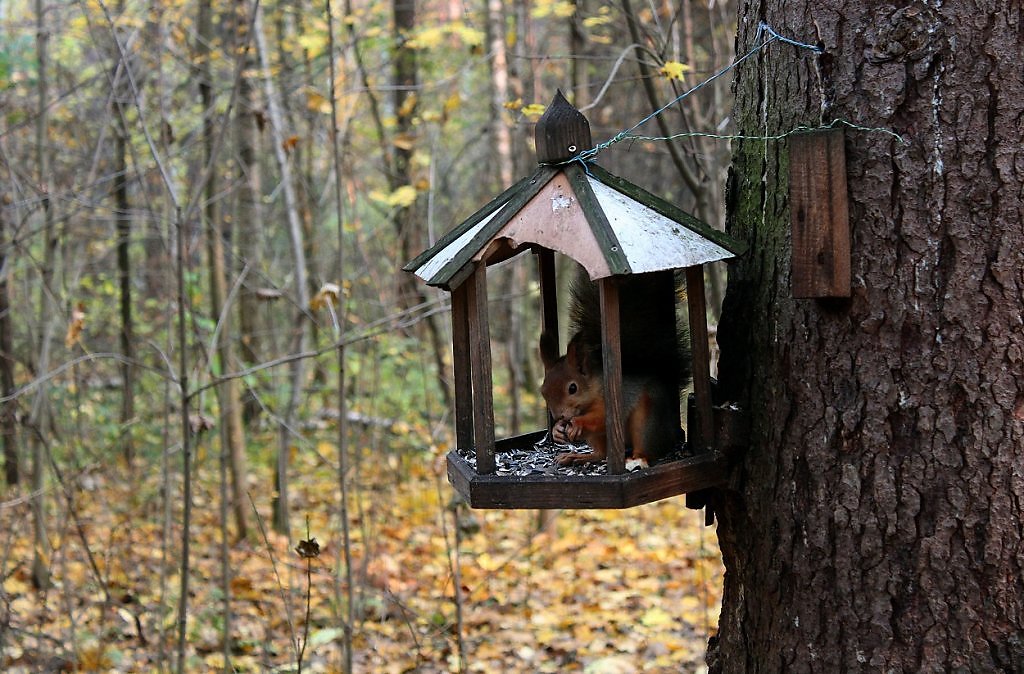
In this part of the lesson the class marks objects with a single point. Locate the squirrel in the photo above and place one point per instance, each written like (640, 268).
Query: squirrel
(655, 365)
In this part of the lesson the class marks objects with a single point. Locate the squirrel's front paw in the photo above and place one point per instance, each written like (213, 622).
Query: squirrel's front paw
(565, 432)
(558, 432)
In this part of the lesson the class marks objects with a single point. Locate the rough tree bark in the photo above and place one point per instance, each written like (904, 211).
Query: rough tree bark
(875, 522)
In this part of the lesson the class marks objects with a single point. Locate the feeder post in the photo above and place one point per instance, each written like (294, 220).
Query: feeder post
(697, 311)
(664, 293)
(483, 393)
(611, 354)
(463, 366)
(548, 292)
(548, 300)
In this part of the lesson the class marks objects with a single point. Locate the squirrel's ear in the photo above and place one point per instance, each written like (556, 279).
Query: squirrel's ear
(548, 350)
(576, 355)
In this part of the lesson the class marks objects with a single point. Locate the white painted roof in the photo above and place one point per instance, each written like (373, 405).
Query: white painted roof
(442, 257)
(649, 240)
(554, 218)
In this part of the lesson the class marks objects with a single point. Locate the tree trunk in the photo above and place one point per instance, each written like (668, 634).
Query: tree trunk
(8, 408)
(232, 439)
(405, 85)
(509, 282)
(247, 223)
(301, 333)
(344, 456)
(404, 98)
(232, 432)
(303, 160)
(40, 404)
(874, 523)
(497, 31)
(122, 215)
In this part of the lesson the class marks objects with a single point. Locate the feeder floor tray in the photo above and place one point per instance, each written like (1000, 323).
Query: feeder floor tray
(527, 476)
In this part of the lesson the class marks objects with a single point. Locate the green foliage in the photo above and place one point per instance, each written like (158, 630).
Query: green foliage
(17, 62)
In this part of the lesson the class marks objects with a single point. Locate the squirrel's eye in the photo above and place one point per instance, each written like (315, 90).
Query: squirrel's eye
(572, 388)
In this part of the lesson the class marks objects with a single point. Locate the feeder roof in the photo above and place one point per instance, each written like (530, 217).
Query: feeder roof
(607, 224)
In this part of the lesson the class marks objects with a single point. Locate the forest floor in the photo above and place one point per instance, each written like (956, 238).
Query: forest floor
(601, 592)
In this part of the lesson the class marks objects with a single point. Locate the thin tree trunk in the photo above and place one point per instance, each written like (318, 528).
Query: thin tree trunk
(300, 337)
(247, 223)
(184, 403)
(232, 431)
(874, 523)
(579, 74)
(122, 215)
(343, 451)
(8, 408)
(230, 425)
(38, 418)
(499, 90)
(158, 30)
(518, 64)
(304, 158)
(502, 143)
(404, 85)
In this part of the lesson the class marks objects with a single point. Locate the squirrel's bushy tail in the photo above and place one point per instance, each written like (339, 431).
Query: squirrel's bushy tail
(651, 344)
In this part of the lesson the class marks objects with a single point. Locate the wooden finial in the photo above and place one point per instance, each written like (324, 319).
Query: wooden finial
(562, 132)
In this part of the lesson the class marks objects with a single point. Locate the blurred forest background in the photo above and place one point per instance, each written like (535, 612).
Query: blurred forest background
(209, 356)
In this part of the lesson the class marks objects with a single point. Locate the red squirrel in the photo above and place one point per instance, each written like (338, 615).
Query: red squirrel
(654, 362)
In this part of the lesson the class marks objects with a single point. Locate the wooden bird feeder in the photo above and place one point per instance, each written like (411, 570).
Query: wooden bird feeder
(614, 229)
